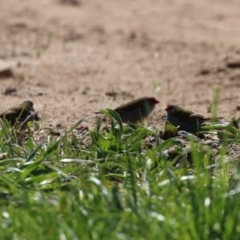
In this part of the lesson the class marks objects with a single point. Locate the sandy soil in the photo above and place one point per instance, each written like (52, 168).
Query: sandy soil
(69, 59)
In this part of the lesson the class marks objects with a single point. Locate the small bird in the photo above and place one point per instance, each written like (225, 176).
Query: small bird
(184, 119)
(136, 110)
(20, 114)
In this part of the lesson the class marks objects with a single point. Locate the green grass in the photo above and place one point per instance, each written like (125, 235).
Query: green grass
(111, 183)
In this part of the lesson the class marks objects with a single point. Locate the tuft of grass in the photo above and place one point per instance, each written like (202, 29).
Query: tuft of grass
(117, 182)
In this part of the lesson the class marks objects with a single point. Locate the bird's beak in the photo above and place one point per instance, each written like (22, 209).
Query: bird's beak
(155, 101)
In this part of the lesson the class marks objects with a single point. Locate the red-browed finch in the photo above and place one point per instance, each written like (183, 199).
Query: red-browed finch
(184, 119)
(20, 114)
(136, 110)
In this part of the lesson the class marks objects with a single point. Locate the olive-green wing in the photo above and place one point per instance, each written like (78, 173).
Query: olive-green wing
(187, 115)
(138, 103)
(15, 111)
(195, 115)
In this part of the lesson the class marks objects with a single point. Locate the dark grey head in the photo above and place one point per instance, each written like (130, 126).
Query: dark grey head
(153, 100)
(28, 103)
(172, 108)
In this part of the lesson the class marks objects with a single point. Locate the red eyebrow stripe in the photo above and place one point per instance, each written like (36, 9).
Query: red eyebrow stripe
(155, 100)
(168, 107)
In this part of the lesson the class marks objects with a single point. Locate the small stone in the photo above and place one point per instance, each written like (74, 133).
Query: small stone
(3, 155)
(71, 2)
(5, 69)
(10, 91)
(233, 64)
(204, 72)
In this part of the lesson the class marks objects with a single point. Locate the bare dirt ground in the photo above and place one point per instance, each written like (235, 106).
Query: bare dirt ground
(69, 59)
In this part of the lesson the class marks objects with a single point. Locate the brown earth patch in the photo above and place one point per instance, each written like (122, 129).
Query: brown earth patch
(73, 59)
